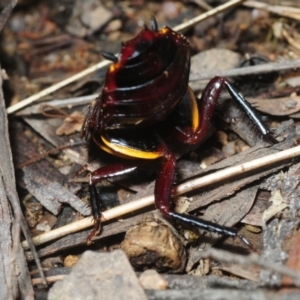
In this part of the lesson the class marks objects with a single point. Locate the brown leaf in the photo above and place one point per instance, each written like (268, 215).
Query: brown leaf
(278, 106)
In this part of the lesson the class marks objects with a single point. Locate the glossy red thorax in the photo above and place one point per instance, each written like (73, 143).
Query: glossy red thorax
(147, 82)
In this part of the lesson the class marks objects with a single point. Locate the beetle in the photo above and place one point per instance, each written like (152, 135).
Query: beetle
(146, 97)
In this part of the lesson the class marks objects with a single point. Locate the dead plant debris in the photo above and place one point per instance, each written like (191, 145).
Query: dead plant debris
(52, 68)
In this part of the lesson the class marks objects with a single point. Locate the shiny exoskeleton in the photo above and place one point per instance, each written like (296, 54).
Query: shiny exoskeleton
(146, 97)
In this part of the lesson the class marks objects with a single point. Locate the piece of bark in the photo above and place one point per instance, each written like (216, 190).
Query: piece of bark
(9, 289)
(14, 276)
(44, 181)
(278, 231)
(240, 124)
(284, 106)
(251, 272)
(227, 213)
(293, 261)
(240, 204)
(255, 216)
(99, 276)
(179, 282)
(47, 127)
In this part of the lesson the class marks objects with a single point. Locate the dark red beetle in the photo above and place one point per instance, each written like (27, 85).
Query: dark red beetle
(145, 96)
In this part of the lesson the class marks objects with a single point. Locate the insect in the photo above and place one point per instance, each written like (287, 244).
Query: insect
(146, 97)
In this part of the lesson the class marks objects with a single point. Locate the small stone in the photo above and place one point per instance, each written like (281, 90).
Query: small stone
(154, 245)
(113, 26)
(71, 260)
(99, 276)
(151, 280)
(95, 17)
(171, 9)
(229, 149)
(222, 137)
(254, 229)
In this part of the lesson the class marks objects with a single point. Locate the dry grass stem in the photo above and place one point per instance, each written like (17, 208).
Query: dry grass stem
(284, 11)
(252, 259)
(49, 279)
(258, 69)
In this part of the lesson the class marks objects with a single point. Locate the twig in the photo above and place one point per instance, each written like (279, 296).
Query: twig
(183, 188)
(14, 275)
(49, 279)
(284, 11)
(66, 102)
(57, 86)
(263, 68)
(252, 259)
(14, 201)
(293, 42)
(208, 14)
(20, 222)
(258, 69)
(47, 153)
(105, 63)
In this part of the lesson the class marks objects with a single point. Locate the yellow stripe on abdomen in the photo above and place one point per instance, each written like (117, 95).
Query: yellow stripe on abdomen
(126, 151)
(194, 109)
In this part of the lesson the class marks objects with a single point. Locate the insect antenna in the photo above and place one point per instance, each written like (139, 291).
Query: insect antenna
(154, 24)
(110, 56)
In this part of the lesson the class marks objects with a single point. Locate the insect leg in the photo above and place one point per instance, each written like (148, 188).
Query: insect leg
(201, 112)
(114, 171)
(210, 226)
(163, 193)
(250, 111)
